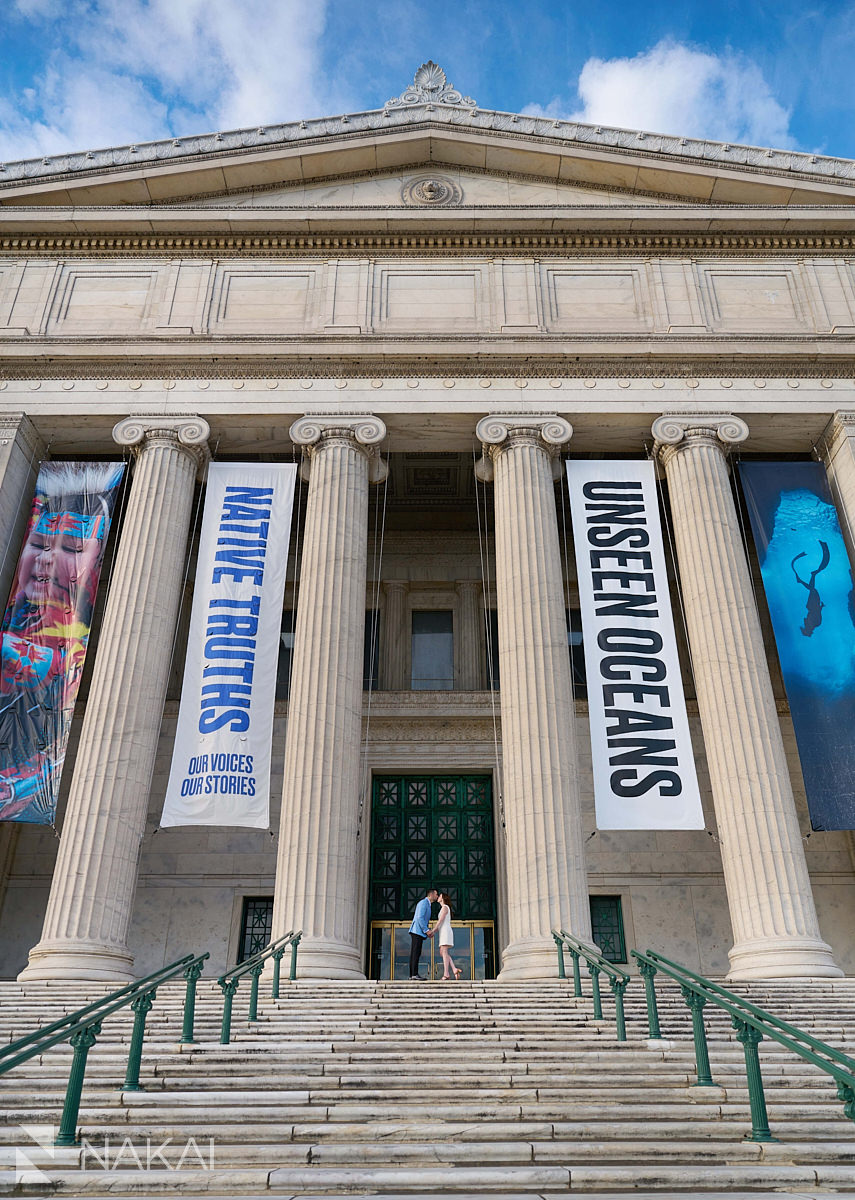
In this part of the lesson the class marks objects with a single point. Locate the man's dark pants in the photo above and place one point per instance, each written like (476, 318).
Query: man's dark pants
(416, 943)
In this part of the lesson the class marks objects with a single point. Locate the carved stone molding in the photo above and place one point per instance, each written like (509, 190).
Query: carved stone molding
(673, 430)
(189, 434)
(344, 244)
(430, 86)
(362, 429)
(17, 425)
(841, 425)
(432, 190)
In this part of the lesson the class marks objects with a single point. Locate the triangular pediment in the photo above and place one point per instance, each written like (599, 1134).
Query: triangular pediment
(369, 159)
(432, 185)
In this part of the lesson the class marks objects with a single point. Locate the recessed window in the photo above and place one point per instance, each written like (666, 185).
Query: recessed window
(493, 650)
(433, 651)
(371, 651)
(577, 653)
(607, 927)
(256, 925)
(286, 654)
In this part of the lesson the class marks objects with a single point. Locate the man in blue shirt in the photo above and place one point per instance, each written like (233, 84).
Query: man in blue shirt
(419, 930)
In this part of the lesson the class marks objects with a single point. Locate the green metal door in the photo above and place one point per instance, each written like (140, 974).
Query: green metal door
(432, 829)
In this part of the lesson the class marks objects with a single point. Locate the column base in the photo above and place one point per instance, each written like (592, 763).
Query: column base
(324, 958)
(529, 958)
(75, 960)
(783, 958)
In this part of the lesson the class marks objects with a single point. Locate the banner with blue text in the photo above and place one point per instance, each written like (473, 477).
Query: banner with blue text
(221, 761)
(807, 578)
(644, 766)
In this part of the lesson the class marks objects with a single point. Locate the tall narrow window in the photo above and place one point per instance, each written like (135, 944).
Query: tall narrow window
(371, 651)
(607, 927)
(286, 654)
(433, 651)
(493, 650)
(577, 653)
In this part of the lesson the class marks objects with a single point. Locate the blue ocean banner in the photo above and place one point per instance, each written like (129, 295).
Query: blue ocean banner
(644, 765)
(807, 578)
(221, 760)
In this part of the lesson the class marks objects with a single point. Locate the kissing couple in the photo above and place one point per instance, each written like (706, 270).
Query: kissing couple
(442, 931)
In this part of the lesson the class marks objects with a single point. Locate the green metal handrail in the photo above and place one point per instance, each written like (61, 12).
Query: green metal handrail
(751, 1024)
(82, 1028)
(229, 981)
(617, 978)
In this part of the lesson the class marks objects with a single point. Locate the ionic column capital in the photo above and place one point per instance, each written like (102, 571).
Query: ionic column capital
(362, 431)
(500, 432)
(674, 432)
(840, 427)
(189, 434)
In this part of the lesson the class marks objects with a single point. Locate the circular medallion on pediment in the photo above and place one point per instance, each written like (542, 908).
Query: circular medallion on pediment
(432, 189)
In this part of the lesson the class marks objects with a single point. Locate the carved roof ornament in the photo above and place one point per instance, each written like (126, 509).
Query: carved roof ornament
(430, 86)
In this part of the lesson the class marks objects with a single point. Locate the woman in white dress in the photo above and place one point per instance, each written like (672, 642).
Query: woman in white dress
(445, 937)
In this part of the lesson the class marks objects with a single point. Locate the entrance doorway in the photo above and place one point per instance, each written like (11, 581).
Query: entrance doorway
(432, 829)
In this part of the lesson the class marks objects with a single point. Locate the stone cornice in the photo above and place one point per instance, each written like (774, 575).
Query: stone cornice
(545, 131)
(425, 243)
(621, 369)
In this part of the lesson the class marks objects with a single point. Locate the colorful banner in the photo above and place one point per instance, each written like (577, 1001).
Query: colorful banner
(644, 766)
(221, 760)
(46, 631)
(807, 579)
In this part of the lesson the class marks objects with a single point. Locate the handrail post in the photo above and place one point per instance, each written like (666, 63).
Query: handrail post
(277, 967)
(559, 946)
(846, 1093)
(594, 972)
(577, 976)
(253, 994)
(228, 987)
(618, 987)
(751, 1039)
(696, 1004)
(82, 1042)
(191, 974)
(648, 971)
(140, 1007)
(293, 972)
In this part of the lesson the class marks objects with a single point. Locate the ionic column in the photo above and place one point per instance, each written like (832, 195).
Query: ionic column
(776, 933)
(839, 458)
(547, 879)
(317, 865)
(85, 934)
(393, 636)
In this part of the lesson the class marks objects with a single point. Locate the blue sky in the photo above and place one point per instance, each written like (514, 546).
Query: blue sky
(81, 74)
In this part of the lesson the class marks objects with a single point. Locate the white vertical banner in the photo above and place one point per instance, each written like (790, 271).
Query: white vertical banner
(221, 760)
(644, 766)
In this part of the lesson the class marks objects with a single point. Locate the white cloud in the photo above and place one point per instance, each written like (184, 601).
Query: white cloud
(677, 89)
(130, 70)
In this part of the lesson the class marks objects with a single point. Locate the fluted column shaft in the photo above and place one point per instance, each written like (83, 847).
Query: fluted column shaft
(775, 928)
(547, 879)
(85, 934)
(317, 865)
(393, 636)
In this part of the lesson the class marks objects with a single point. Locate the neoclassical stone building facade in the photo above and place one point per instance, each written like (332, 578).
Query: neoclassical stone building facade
(428, 307)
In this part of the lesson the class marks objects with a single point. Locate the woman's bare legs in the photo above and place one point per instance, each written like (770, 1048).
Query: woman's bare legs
(447, 964)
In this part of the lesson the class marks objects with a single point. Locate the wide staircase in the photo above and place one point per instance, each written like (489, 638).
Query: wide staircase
(477, 1088)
